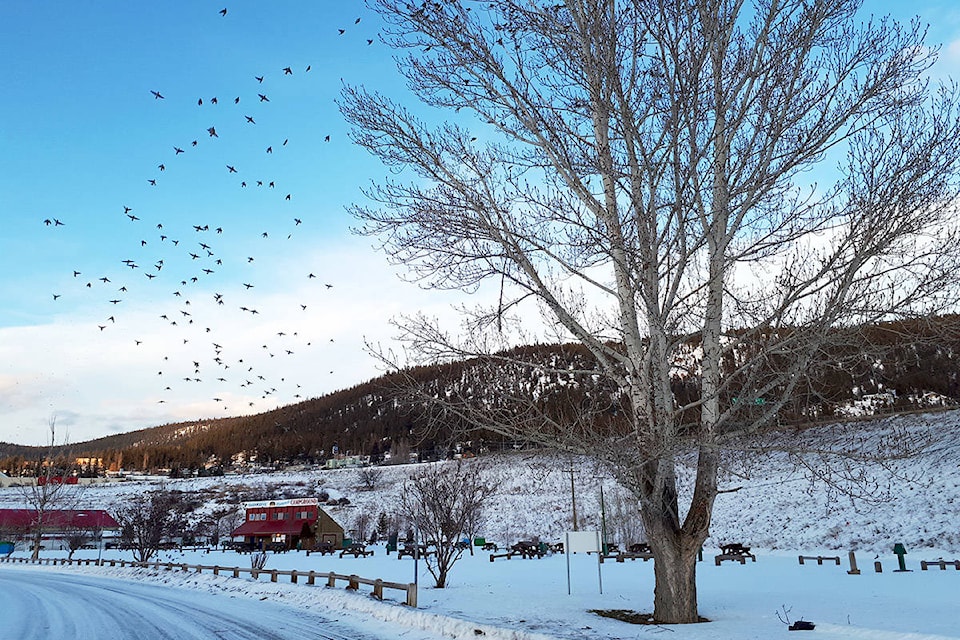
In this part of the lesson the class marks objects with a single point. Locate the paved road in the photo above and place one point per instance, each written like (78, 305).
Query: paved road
(43, 605)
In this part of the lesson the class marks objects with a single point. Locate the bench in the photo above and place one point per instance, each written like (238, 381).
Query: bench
(820, 559)
(357, 550)
(940, 563)
(734, 551)
(490, 546)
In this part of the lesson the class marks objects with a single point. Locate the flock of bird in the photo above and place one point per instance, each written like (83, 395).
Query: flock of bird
(183, 265)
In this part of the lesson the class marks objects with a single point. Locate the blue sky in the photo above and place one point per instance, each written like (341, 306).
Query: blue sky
(81, 136)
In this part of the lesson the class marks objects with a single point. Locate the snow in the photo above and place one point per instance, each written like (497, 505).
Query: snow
(778, 510)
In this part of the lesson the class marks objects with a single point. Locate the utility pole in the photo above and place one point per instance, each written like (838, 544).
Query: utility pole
(573, 497)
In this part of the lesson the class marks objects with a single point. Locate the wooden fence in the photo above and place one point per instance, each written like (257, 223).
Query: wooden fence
(353, 581)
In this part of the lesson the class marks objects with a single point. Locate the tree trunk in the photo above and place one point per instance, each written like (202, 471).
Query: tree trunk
(676, 545)
(675, 571)
(37, 540)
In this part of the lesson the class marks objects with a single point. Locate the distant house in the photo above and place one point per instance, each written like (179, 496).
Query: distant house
(289, 524)
(18, 524)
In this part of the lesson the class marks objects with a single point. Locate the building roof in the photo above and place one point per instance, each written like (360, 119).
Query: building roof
(58, 519)
(258, 528)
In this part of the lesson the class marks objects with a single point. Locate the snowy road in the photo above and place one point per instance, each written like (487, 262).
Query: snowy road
(38, 604)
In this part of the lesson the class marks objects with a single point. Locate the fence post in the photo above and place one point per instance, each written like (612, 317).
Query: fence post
(293, 576)
(236, 572)
(353, 584)
(412, 595)
(311, 578)
(216, 570)
(853, 564)
(331, 579)
(273, 576)
(378, 588)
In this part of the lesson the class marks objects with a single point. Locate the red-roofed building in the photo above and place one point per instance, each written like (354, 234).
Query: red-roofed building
(290, 524)
(17, 524)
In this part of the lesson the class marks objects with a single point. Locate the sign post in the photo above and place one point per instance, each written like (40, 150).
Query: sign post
(583, 542)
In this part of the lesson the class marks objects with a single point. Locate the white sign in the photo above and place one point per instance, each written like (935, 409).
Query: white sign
(582, 542)
(295, 502)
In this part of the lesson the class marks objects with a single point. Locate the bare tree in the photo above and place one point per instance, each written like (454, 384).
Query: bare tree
(444, 501)
(148, 520)
(220, 523)
(77, 538)
(709, 189)
(370, 477)
(50, 492)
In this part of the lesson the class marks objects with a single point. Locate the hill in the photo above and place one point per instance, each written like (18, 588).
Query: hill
(874, 372)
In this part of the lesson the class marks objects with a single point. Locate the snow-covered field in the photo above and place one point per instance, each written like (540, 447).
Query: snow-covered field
(778, 511)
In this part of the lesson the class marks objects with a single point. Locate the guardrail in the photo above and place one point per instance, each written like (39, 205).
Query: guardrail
(353, 581)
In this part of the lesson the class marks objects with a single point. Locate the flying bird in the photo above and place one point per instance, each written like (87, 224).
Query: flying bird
(287, 71)
(259, 79)
(250, 119)
(231, 169)
(177, 151)
(156, 95)
(213, 133)
(263, 98)
(223, 11)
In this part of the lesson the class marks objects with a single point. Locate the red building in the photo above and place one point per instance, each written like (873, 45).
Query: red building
(18, 524)
(289, 524)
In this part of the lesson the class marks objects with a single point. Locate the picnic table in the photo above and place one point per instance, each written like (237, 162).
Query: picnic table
(636, 550)
(323, 548)
(526, 549)
(734, 551)
(356, 550)
(415, 550)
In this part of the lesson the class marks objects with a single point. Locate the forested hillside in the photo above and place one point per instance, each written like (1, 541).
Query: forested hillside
(872, 374)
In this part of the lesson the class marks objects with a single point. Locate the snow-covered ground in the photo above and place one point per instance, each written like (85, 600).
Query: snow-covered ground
(777, 510)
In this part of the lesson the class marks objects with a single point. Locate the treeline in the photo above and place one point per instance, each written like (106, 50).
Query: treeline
(382, 417)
